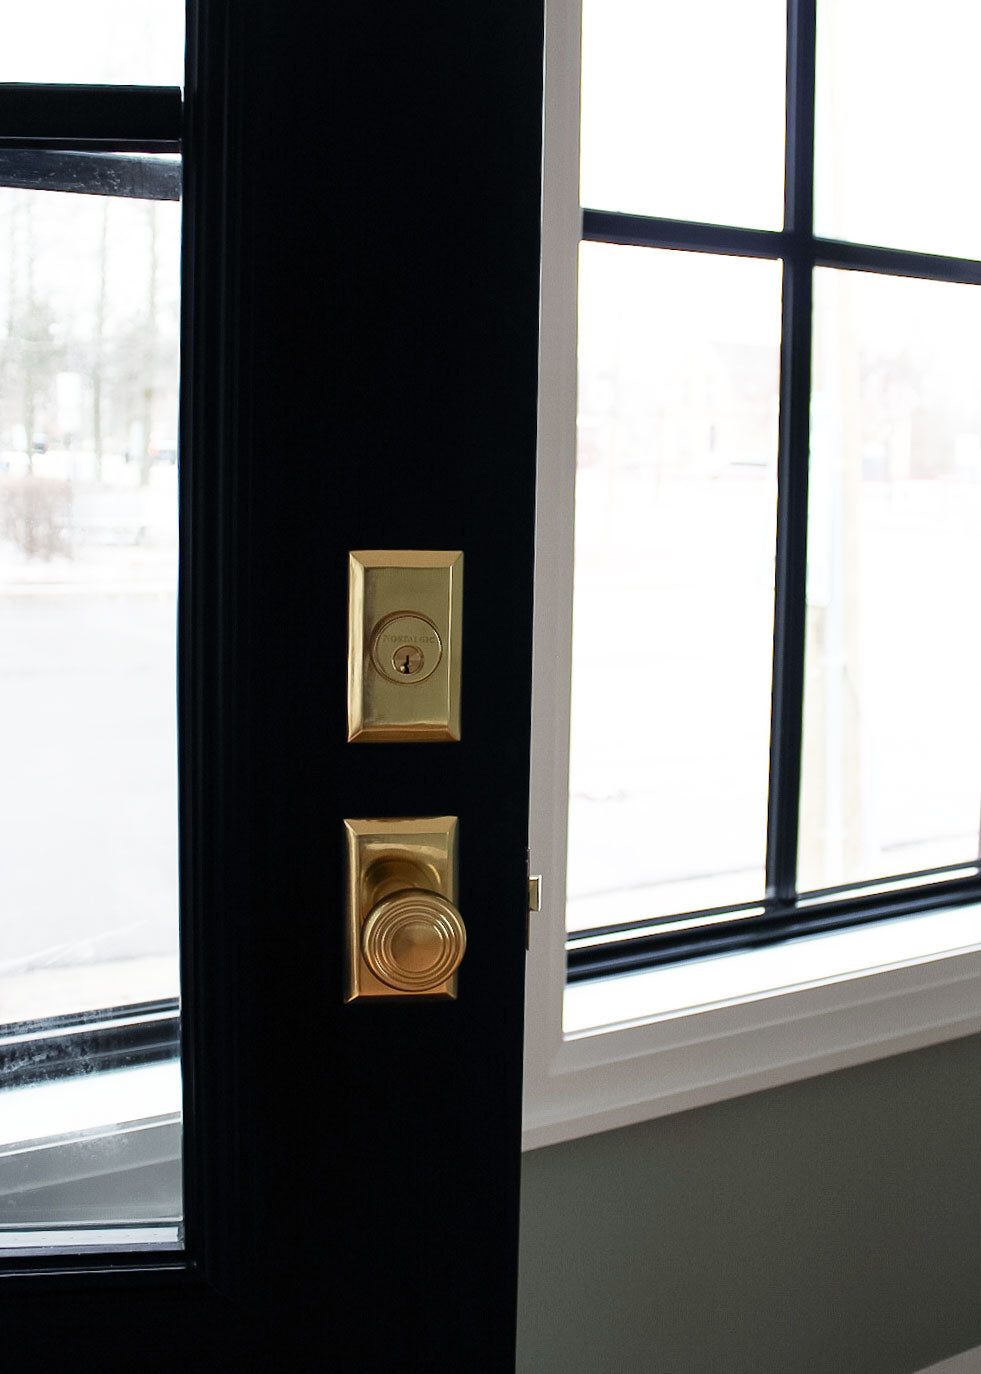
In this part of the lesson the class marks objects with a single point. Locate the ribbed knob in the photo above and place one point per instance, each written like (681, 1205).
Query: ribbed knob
(413, 940)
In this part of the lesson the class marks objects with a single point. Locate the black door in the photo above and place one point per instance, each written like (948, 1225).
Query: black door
(361, 295)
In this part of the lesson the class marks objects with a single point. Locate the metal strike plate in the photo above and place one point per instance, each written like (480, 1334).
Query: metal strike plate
(405, 616)
(405, 872)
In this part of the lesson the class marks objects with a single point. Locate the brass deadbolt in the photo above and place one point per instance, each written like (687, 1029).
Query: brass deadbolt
(405, 621)
(406, 648)
(413, 940)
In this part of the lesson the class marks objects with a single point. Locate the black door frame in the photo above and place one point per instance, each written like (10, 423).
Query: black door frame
(362, 189)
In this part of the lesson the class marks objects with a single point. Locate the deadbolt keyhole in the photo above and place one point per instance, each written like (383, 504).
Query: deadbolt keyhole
(406, 648)
(408, 660)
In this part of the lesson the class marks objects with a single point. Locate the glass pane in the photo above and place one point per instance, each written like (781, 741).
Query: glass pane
(88, 579)
(892, 729)
(128, 42)
(673, 610)
(683, 109)
(897, 122)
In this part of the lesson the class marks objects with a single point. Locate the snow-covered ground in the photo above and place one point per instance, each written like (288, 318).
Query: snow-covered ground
(88, 788)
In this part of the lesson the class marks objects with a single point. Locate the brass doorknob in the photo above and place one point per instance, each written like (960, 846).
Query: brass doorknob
(413, 939)
(405, 936)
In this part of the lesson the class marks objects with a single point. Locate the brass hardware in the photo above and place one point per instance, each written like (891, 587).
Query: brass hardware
(534, 903)
(406, 648)
(404, 630)
(405, 937)
(413, 941)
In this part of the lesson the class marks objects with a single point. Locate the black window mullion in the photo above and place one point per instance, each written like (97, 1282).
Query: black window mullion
(782, 922)
(792, 460)
(648, 231)
(141, 118)
(895, 262)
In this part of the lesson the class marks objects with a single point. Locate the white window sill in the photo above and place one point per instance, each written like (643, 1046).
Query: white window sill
(774, 971)
(643, 1045)
(89, 1240)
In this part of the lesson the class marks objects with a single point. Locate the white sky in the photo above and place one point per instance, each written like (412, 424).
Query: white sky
(138, 42)
(683, 109)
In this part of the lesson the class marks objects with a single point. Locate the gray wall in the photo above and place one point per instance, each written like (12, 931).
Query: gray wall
(832, 1226)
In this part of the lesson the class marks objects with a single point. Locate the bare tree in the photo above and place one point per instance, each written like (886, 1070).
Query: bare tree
(32, 352)
(98, 344)
(150, 346)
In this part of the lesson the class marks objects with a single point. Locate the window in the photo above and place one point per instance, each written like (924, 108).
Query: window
(90, 219)
(776, 489)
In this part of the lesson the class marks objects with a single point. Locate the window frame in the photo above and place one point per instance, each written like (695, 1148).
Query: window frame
(80, 135)
(101, 119)
(877, 1003)
(218, 1067)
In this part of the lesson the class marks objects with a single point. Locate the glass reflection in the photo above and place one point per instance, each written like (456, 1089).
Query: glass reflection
(128, 42)
(892, 734)
(896, 120)
(89, 305)
(673, 612)
(683, 109)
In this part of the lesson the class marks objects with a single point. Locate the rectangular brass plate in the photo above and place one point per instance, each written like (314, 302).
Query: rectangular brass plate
(405, 616)
(377, 846)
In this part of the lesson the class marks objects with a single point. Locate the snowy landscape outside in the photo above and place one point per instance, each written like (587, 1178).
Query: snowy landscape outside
(89, 305)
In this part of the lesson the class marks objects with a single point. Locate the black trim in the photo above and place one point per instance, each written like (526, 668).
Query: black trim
(146, 118)
(91, 174)
(212, 658)
(644, 231)
(601, 934)
(782, 921)
(91, 1273)
(790, 606)
(968, 871)
(894, 262)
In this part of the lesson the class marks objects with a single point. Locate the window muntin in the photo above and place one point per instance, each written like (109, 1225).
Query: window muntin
(625, 940)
